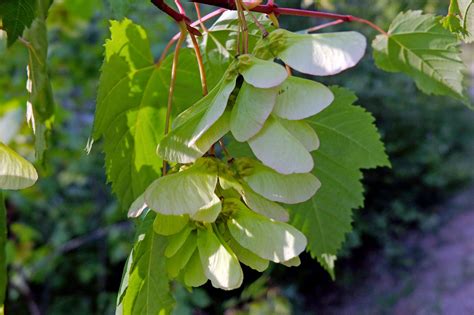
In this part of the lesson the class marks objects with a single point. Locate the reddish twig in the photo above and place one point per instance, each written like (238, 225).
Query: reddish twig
(271, 8)
(195, 23)
(175, 15)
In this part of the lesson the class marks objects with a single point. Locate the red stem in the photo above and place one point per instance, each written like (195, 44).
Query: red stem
(270, 8)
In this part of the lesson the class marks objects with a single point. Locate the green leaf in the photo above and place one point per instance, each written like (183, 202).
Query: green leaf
(279, 149)
(128, 115)
(148, 291)
(3, 254)
(272, 240)
(317, 54)
(40, 106)
(220, 264)
(300, 98)
(197, 184)
(349, 142)
(15, 171)
(16, 15)
(131, 105)
(419, 46)
(251, 109)
(466, 8)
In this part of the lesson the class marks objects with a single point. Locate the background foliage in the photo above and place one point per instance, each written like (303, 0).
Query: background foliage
(69, 239)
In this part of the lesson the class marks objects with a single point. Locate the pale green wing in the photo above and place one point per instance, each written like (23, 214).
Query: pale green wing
(216, 106)
(294, 262)
(264, 206)
(260, 73)
(290, 189)
(177, 262)
(302, 131)
(194, 275)
(176, 241)
(210, 212)
(220, 264)
(177, 147)
(300, 98)
(277, 148)
(251, 110)
(182, 193)
(272, 240)
(323, 54)
(137, 207)
(247, 257)
(169, 224)
(15, 171)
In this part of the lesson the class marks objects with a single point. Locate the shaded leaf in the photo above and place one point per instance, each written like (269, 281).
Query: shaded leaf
(349, 142)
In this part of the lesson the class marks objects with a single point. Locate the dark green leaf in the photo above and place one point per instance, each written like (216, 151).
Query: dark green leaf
(349, 142)
(16, 15)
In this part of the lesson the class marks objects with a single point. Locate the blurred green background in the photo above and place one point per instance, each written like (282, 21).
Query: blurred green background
(69, 239)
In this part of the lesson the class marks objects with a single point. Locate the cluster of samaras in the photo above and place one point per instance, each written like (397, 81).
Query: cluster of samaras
(220, 212)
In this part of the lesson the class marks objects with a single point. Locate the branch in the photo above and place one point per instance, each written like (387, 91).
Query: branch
(175, 15)
(271, 8)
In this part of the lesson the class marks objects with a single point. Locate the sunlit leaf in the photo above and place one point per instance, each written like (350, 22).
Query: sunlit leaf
(176, 241)
(419, 46)
(246, 256)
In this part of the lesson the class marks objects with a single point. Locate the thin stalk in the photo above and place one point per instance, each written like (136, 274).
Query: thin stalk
(244, 26)
(271, 8)
(255, 20)
(198, 12)
(174, 68)
(202, 70)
